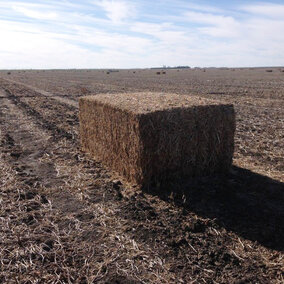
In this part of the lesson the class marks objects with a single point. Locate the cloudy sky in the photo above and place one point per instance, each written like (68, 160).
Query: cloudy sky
(140, 33)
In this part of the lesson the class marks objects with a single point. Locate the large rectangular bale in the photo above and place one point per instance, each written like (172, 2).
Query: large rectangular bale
(155, 137)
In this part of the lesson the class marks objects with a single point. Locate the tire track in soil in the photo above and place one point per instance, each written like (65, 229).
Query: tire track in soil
(40, 120)
(141, 212)
(44, 93)
(126, 251)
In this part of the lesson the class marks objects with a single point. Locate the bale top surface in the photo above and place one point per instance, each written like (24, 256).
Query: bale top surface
(145, 102)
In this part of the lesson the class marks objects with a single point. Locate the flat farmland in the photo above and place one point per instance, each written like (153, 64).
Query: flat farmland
(65, 218)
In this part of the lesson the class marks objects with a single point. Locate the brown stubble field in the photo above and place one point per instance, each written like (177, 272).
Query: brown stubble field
(65, 217)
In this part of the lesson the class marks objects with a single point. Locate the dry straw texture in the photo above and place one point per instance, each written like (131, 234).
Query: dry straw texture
(154, 137)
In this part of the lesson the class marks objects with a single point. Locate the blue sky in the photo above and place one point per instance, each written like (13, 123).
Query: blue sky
(128, 34)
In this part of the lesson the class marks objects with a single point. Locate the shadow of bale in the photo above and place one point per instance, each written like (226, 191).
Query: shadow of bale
(250, 204)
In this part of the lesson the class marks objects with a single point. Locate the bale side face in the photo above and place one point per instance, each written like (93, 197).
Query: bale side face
(186, 142)
(111, 136)
(157, 145)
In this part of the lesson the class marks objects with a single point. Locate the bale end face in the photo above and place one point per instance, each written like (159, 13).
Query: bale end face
(154, 137)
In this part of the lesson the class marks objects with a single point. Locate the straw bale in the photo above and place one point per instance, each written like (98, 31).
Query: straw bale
(153, 137)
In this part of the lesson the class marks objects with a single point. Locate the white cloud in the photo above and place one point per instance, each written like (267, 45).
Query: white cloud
(204, 8)
(207, 18)
(164, 32)
(266, 9)
(36, 14)
(27, 46)
(111, 41)
(214, 25)
(117, 11)
(81, 37)
(33, 13)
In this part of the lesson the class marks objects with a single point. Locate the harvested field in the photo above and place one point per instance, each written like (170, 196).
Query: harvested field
(65, 218)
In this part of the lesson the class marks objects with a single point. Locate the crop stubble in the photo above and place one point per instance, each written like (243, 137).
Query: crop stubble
(222, 229)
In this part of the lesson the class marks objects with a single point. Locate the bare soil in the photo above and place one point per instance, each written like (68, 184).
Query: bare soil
(65, 218)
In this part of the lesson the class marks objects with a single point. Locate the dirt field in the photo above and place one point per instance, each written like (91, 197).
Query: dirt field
(64, 218)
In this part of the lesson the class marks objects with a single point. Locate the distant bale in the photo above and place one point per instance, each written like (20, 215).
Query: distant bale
(151, 138)
(269, 70)
(108, 72)
(164, 72)
(158, 73)
(8, 73)
(134, 72)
